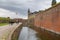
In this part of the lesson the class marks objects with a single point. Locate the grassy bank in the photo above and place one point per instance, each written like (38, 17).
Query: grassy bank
(2, 24)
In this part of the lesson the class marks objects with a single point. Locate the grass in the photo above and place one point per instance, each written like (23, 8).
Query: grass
(2, 24)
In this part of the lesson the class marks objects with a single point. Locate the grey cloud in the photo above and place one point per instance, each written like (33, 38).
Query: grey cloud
(21, 6)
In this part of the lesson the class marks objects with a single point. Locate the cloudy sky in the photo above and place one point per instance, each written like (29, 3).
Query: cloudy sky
(21, 6)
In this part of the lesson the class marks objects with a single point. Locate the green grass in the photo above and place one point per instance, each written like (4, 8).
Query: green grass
(2, 24)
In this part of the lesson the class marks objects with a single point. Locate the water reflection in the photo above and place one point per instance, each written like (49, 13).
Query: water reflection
(27, 34)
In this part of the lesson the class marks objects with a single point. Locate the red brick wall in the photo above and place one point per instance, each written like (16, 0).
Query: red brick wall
(49, 18)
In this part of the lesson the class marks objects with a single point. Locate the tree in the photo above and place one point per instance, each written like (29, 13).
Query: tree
(53, 2)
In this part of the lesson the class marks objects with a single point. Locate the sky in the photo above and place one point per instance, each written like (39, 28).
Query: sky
(21, 7)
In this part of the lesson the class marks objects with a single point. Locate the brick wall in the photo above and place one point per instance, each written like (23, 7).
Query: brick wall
(48, 18)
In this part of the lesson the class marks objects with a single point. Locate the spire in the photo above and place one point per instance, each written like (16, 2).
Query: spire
(53, 2)
(28, 11)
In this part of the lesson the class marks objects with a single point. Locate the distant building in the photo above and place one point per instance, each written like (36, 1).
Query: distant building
(19, 20)
(31, 17)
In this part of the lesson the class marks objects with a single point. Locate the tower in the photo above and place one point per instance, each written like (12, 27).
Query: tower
(53, 2)
(28, 11)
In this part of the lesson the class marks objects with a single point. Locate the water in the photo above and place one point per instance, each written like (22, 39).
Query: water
(27, 34)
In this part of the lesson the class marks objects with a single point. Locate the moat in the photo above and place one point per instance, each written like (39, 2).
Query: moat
(28, 34)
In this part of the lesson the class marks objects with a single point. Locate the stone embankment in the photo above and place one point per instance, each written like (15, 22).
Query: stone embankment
(45, 34)
(16, 33)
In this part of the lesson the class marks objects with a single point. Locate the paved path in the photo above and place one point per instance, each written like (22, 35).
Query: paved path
(5, 31)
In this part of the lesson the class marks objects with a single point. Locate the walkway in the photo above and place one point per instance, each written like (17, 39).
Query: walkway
(5, 31)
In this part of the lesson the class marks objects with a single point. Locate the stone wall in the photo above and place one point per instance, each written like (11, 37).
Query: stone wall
(16, 33)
